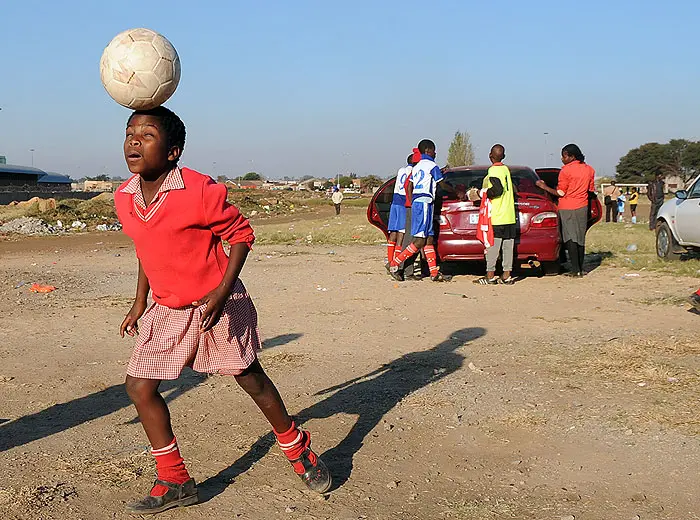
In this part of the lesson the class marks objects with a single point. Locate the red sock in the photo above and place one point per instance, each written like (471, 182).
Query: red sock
(170, 467)
(697, 292)
(431, 257)
(405, 254)
(293, 443)
(390, 251)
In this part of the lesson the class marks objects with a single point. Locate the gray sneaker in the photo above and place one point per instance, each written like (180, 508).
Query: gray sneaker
(178, 495)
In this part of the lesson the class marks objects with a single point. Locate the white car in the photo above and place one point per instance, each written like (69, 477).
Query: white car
(678, 223)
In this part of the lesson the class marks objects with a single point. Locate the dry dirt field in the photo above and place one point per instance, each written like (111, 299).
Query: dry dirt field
(550, 399)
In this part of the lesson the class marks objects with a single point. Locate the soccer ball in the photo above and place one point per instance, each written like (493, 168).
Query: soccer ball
(140, 69)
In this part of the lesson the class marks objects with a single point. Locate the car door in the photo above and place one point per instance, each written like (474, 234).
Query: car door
(688, 217)
(380, 206)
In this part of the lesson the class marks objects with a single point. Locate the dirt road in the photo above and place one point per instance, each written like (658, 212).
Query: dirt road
(549, 398)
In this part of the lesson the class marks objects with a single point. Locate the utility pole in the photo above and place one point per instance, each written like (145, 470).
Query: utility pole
(545, 148)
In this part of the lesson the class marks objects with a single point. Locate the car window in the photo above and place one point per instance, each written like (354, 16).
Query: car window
(524, 180)
(694, 191)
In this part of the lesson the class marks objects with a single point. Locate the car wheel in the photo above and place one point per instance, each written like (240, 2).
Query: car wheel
(665, 243)
(551, 268)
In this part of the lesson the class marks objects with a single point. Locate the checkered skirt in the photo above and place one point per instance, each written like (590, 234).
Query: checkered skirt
(169, 339)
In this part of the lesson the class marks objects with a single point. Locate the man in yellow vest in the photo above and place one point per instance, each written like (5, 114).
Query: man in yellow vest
(498, 188)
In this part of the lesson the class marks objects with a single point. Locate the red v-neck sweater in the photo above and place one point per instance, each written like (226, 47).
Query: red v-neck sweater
(179, 246)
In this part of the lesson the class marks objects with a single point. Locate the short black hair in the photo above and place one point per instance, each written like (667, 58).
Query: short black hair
(574, 151)
(171, 124)
(409, 159)
(425, 145)
(499, 150)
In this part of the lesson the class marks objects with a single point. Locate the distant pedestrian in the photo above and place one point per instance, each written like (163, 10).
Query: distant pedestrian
(610, 194)
(634, 200)
(655, 194)
(576, 180)
(337, 198)
(621, 207)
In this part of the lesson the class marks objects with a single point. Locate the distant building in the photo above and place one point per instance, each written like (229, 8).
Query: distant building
(54, 182)
(104, 186)
(3, 159)
(673, 183)
(17, 178)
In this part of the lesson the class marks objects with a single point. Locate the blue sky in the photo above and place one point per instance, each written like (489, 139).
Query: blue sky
(314, 87)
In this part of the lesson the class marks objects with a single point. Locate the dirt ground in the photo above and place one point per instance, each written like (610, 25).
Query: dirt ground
(550, 399)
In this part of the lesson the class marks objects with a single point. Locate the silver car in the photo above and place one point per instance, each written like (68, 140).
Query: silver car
(678, 223)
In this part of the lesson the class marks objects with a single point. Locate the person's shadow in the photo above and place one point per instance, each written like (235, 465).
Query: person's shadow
(63, 416)
(369, 397)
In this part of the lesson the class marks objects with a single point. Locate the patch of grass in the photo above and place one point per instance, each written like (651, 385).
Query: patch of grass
(663, 371)
(350, 228)
(611, 241)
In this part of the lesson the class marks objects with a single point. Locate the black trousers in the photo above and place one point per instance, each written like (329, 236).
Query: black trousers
(611, 208)
(337, 209)
(655, 207)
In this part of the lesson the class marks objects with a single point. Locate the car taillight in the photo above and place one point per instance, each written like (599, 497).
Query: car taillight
(548, 219)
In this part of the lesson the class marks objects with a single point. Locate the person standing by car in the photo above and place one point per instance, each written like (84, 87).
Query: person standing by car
(397, 212)
(634, 200)
(425, 177)
(610, 194)
(498, 188)
(655, 194)
(337, 198)
(576, 180)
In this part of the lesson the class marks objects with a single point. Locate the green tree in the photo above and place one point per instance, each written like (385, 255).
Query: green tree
(641, 164)
(345, 181)
(251, 176)
(684, 159)
(370, 182)
(461, 151)
(101, 177)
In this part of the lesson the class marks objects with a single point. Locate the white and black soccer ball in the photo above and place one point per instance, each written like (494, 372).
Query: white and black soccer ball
(140, 69)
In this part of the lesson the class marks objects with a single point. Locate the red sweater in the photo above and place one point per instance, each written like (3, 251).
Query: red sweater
(576, 179)
(178, 236)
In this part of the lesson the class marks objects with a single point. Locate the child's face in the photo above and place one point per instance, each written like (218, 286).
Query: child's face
(145, 147)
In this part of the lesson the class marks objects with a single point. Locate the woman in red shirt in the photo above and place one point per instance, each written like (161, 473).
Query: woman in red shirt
(576, 180)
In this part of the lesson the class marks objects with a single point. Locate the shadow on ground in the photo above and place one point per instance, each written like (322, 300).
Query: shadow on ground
(369, 397)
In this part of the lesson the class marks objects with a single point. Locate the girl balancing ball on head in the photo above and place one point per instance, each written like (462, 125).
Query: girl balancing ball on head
(202, 315)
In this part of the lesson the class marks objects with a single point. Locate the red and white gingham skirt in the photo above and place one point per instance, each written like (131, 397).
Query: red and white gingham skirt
(169, 340)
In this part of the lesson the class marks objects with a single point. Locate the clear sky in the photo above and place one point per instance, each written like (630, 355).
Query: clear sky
(316, 87)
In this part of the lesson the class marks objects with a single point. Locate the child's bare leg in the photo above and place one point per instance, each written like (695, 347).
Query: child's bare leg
(174, 486)
(263, 391)
(295, 444)
(152, 410)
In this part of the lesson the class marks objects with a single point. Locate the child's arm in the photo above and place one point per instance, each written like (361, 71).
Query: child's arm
(216, 299)
(130, 324)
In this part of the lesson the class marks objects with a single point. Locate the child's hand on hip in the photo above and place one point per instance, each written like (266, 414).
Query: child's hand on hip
(215, 302)
(130, 324)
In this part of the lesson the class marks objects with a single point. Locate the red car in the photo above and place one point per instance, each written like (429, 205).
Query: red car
(538, 238)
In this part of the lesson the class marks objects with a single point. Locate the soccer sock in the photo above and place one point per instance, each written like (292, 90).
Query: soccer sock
(431, 257)
(390, 251)
(293, 444)
(170, 467)
(410, 250)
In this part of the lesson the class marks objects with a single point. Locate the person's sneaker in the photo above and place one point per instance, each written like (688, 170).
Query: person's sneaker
(395, 273)
(441, 278)
(508, 281)
(316, 475)
(178, 495)
(695, 301)
(387, 266)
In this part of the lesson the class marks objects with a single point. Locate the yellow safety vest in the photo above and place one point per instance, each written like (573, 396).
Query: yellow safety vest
(503, 207)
